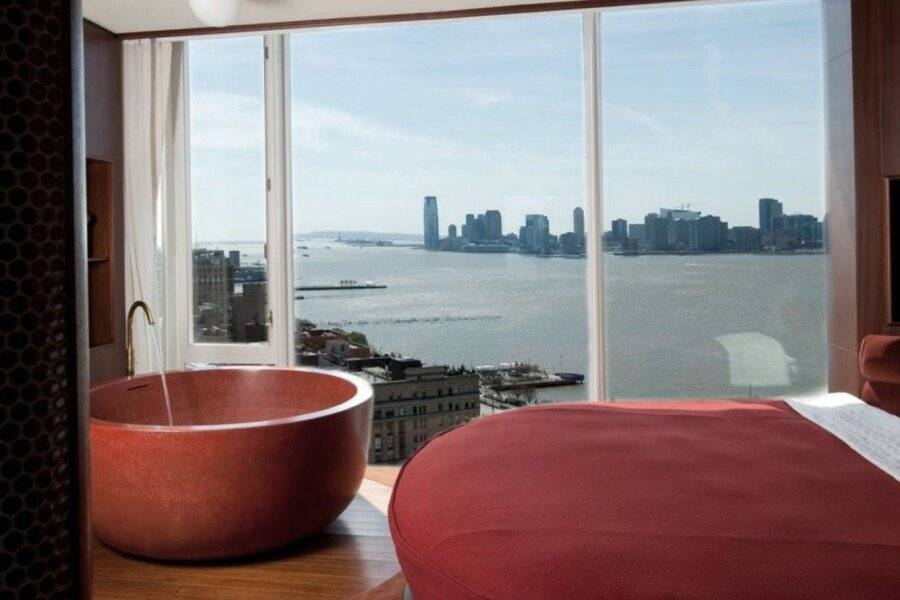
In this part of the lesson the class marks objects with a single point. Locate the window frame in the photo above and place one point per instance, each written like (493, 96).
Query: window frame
(278, 246)
(278, 350)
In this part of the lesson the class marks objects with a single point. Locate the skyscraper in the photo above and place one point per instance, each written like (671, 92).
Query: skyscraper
(536, 234)
(710, 233)
(468, 229)
(619, 230)
(430, 213)
(656, 232)
(769, 210)
(578, 224)
(493, 224)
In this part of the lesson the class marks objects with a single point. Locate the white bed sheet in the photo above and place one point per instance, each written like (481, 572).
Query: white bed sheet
(870, 431)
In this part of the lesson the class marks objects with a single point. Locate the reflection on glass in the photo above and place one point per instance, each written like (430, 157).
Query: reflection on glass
(439, 232)
(228, 202)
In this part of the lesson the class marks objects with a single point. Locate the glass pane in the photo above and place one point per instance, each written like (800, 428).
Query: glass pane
(228, 190)
(715, 275)
(439, 243)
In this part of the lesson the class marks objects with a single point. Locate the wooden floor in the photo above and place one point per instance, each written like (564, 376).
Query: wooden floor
(353, 555)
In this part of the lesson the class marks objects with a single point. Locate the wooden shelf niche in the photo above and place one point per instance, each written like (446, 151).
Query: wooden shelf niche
(101, 265)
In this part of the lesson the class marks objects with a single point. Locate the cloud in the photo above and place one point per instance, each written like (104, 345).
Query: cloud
(227, 121)
(649, 122)
(316, 127)
(485, 98)
(747, 128)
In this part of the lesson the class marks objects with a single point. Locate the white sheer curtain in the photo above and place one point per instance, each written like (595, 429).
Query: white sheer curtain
(154, 116)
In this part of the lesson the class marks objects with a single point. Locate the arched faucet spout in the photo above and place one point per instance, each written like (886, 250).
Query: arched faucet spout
(129, 334)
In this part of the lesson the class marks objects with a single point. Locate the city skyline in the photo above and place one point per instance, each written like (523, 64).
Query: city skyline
(492, 110)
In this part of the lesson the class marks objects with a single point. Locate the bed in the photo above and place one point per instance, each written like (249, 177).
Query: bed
(687, 499)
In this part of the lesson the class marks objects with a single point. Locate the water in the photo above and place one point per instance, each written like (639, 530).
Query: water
(162, 374)
(665, 315)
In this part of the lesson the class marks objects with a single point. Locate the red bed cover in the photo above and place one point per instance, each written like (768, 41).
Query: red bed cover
(698, 500)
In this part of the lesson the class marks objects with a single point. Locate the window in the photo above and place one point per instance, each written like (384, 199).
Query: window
(228, 213)
(427, 194)
(714, 199)
(234, 286)
(438, 176)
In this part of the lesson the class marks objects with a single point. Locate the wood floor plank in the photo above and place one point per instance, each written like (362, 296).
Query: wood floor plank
(353, 555)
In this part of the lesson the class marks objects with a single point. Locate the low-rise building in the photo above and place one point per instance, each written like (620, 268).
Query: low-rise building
(415, 403)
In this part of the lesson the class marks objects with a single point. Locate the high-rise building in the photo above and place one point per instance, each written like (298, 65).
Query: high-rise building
(769, 210)
(493, 225)
(679, 214)
(430, 214)
(746, 239)
(796, 231)
(451, 231)
(468, 229)
(213, 289)
(480, 228)
(234, 258)
(569, 243)
(637, 230)
(578, 224)
(686, 234)
(534, 237)
(619, 230)
(656, 232)
(711, 233)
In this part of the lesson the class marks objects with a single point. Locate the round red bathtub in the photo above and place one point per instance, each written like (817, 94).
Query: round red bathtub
(255, 459)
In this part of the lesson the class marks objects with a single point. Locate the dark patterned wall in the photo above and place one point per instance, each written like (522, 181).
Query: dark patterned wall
(42, 346)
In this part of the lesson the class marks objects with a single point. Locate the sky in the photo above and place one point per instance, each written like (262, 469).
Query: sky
(710, 107)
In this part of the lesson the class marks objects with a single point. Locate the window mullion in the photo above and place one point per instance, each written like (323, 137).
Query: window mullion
(278, 202)
(594, 205)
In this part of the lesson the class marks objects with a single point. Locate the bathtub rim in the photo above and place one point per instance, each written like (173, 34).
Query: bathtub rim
(364, 393)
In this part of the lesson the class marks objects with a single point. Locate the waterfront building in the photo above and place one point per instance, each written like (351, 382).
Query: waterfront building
(631, 246)
(493, 225)
(711, 233)
(578, 224)
(657, 233)
(480, 227)
(414, 403)
(213, 288)
(619, 230)
(686, 234)
(746, 239)
(679, 214)
(637, 230)
(796, 231)
(535, 235)
(452, 243)
(430, 217)
(570, 243)
(485, 248)
(769, 210)
(468, 229)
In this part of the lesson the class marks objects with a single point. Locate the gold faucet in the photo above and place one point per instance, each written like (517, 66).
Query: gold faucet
(129, 335)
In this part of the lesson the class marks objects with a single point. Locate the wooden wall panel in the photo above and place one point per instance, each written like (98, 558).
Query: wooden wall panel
(103, 140)
(863, 151)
